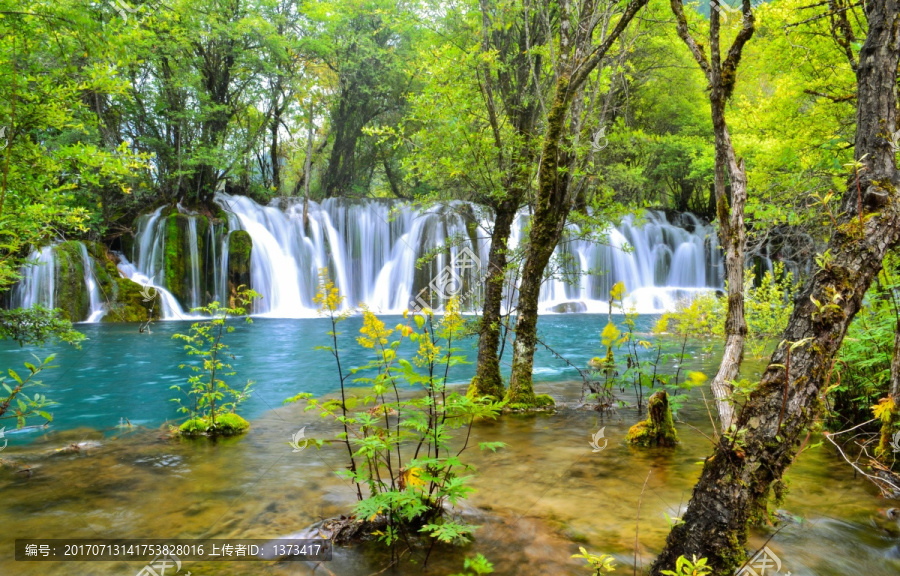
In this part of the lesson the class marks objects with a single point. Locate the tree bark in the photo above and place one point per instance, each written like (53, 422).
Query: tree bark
(577, 58)
(547, 223)
(487, 380)
(736, 480)
(733, 237)
(729, 210)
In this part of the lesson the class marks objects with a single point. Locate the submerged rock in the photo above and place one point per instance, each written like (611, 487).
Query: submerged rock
(569, 307)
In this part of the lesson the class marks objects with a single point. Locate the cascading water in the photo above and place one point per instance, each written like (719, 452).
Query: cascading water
(371, 249)
(371, 252)
(39, 283)
(660, 264)
(169, 307)
(96, 311)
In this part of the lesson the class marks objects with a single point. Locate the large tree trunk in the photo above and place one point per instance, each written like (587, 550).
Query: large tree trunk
(547, 223)
(487, 380)
(578, 57)
(735, 483)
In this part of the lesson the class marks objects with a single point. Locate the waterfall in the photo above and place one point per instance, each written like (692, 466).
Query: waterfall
(170, 309)
(97, 310)
(206, 275)
(385, 255)
(39, 282)
(371, 250)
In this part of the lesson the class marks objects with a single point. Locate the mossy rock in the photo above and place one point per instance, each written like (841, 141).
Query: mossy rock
(227, 424)
(124, 299)
(129, 303)
(193, 427)
(659, 428)
(70, 293)
(174, 267)
(240, 247)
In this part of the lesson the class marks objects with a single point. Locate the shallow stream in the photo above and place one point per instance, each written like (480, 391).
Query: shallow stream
(536, 500)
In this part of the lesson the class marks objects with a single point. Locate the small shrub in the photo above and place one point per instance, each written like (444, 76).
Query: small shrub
(399, 450)
(211, 402)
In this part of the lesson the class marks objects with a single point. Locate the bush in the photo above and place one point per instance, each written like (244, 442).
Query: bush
(399, 450)
(211, 402)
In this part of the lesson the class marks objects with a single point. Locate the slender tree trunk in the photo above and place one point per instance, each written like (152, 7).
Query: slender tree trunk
(273, 151)
(733, 237)
(487, 380)
(307, 167)
(736, 481)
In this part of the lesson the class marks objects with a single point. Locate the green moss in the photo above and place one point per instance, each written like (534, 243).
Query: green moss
(531, 402)
(658, 429)
(129, 305)
(479, 388)
(240, 247)
(174, 268)
(542, 400)
(194, 426)
(230, 423)
(71, 295)
(227, 424)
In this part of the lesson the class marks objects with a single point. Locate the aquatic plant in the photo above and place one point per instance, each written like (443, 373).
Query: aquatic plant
(211, 402)
(399, 447)
(600, 564)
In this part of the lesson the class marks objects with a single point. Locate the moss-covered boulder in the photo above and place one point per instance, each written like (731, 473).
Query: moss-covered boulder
(124, 299)
(227, 424)
(177, 261)
(240, 245)
(70, 293)
(658, 429)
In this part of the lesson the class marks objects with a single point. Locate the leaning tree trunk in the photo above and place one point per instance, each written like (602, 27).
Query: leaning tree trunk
(578, 57)
(487, 380)
(736, 480)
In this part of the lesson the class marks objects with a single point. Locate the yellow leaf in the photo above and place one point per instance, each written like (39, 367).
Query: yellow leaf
(617, 292)
(609, 335)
